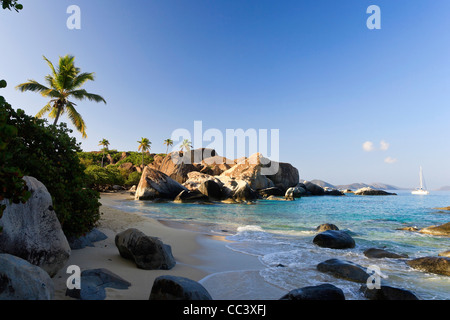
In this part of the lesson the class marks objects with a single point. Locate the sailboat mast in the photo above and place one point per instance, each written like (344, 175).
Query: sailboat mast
(421, 178)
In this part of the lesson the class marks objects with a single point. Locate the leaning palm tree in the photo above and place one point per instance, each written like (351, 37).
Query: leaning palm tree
(105, 144)
(144, 144)
(168, 142)
(186, 144)
(64, 82)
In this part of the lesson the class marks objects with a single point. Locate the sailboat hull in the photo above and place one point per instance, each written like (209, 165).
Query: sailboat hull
(420, 192)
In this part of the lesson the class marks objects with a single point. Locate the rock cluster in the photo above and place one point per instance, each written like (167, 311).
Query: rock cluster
(202, 175)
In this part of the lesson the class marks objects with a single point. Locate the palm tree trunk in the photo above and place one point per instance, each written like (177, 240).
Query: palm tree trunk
(103, 156)
(142, 158)
(167, 150)
(59, 108)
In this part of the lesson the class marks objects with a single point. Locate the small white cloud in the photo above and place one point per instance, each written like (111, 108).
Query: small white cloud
(384, 145)
(390, 160)
(368, 146)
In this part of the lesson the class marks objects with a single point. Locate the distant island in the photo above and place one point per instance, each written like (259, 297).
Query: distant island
(358, 185)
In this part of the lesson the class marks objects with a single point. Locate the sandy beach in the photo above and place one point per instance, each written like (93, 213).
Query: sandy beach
(226, 274)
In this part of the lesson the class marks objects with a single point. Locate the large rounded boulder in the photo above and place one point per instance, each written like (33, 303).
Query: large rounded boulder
(147, 252)
(334, 239)
(32, 230)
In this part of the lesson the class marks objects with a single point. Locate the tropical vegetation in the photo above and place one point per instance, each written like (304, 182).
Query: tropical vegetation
(104, 143)
(49, 154)
(63, 83)
(186, 145)
(168, 142)
(144, 145)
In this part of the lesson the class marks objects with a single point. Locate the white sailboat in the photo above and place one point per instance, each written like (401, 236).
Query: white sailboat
(422, 190)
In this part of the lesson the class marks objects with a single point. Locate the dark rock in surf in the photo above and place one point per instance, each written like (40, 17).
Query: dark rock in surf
(334, 239)
(387, 293)
(344, 269)
(381, 253)
(321, 292)
(437, 265)
(326, 226)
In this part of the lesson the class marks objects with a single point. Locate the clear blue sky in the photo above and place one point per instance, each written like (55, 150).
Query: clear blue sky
(311, 69)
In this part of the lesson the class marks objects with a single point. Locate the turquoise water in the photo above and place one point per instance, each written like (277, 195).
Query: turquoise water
(281, 232)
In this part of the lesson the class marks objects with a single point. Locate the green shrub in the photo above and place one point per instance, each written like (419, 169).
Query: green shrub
(133, 178)
(49, 154)
(99, 178)
(12, 186)
(136, 159)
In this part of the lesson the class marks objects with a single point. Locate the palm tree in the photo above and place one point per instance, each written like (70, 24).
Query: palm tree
(64, 82)
(186, 145)
(105, 144)
(168, 142)
(144, 144)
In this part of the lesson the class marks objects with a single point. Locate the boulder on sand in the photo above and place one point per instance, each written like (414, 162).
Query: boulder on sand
(147, 252)
(32, 230)
(334, 239)
(155, 184)
(21, 280)
(177, 288)
(93, 283)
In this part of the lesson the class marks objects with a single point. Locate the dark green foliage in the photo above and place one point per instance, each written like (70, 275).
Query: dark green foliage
(136, 159)
(12, 186)
(101, 178)
(95, 158)
(11, 4)
(49, 154)
(133, 179)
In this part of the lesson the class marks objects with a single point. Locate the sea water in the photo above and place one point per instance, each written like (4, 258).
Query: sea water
(280, 234)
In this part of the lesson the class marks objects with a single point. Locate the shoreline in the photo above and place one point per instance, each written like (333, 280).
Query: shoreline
(199, 256)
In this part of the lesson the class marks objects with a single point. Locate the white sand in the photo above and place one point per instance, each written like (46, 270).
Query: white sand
(197, 256)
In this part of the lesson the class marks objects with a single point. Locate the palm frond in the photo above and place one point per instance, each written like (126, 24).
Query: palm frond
(81, 79)
(82, 94)
(50, 64)
(47, 108)
(33, 86)
(76, 119)
(66, 72)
